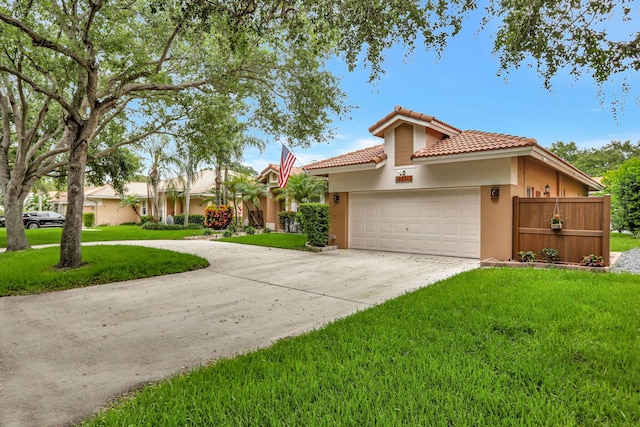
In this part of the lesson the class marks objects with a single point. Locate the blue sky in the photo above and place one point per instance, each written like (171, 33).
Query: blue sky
(462, 88)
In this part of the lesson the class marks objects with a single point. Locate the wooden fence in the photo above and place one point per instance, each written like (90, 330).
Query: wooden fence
(585, 227)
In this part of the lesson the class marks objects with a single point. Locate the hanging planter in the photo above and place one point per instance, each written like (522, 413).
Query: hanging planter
(556, 219)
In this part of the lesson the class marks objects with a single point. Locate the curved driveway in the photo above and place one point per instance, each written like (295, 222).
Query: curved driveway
(64, 355)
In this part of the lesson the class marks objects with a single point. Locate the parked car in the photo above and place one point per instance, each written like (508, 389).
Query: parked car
(33, 220)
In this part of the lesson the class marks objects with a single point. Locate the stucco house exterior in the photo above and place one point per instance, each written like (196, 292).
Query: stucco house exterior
(104, 201)
(267, 211)
(432, 188)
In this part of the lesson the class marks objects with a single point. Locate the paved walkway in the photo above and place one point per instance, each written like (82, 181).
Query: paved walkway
(64, 355)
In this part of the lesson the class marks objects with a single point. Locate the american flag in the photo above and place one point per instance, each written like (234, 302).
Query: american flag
(287, 159)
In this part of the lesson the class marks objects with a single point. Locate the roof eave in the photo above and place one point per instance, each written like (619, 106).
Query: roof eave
(399, 118)
(479, 155)
(349, 168)
(557, 163)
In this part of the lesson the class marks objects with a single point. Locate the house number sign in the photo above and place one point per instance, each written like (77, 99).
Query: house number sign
(404, 178)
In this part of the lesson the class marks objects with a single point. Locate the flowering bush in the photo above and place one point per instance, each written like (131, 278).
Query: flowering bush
(217, 217)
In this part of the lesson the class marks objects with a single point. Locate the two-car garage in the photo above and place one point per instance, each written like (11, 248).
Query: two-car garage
(438, 222)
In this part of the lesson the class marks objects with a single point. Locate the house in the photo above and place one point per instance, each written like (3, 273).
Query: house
(266, 213)
(104, 201)
(432, 188)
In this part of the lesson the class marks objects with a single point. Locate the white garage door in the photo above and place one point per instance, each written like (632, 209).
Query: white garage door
(439, 222)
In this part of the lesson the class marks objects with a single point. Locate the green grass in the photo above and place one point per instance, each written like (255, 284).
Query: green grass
(273, 240)
(43, 236)
(32, 271)
(623, 242)
(489, 347)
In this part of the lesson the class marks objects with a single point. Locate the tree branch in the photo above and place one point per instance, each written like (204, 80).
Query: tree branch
(40, 41)
(63, 103)
(127, 142)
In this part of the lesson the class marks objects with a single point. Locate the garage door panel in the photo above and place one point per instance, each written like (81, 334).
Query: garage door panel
(445, 222)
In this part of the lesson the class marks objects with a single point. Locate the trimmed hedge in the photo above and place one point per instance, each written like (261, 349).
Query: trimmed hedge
(160, 226)
(314, 220)
(193, 219)
(88, 219)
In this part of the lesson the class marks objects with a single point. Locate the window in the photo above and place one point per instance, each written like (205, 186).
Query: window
(529, 191)
(144, 208)
(562, 192)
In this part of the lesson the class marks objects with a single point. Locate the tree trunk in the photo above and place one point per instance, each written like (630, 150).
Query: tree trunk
(225, 195)
(16, 237)
(218, 182)
(15, 193)
(187, 201)
(71, 240)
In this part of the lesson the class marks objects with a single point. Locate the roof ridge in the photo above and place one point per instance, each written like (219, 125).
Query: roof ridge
(353, 157)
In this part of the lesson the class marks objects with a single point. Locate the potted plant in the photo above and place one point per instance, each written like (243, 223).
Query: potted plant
(556, 222)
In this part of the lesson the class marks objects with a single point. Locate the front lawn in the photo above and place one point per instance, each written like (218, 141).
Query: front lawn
(273, 240)
(32, 271)
(43, 236)
(488, 347)
(623, 242)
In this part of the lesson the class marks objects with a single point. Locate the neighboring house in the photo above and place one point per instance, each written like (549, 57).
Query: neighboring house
(266, 213)
(104, 201)
(432, 188)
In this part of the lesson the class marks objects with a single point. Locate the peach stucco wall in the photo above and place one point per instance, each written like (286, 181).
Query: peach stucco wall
(496, 222)
(537, 175)
(339, 214)
(109, 211)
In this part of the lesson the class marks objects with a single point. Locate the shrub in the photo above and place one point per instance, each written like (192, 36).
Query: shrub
(130, 223)
(191, 227)
(144, 219)
(526, 256)
(314, 220)
(227, 233)
(550, 254)
(193, 219)
(266, 230)
(207, 232)
(159, 226)
(232, 228)
(217, 217)
(592, 260)
(287, 220)
(88, 219)
(250, 230)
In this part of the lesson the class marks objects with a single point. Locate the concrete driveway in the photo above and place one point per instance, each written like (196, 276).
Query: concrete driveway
(65, 355)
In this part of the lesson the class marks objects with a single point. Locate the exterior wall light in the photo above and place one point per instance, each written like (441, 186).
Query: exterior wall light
(547, 189)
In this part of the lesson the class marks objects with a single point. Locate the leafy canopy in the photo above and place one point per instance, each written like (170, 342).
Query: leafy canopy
(624, 184)
(596, 161)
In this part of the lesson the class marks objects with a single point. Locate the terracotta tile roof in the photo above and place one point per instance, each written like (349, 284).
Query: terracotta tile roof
(374, 155)
(401, 111)
(272, 167)
(472, 141)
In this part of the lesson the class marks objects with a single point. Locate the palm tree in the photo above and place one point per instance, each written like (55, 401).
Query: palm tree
(157, 171)
(187, 165)
(303, 188)
(133, 201)
(233, 186)
(251, 191)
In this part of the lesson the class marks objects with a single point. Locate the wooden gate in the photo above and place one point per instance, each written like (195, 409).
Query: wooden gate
(585, 226)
